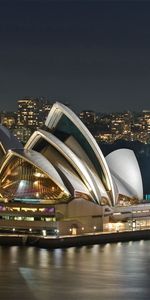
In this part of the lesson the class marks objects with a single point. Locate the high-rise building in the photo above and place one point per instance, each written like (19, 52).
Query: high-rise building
(32, 112)
(28, 112)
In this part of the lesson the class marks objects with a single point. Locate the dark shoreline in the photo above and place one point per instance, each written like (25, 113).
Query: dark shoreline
(76, 241)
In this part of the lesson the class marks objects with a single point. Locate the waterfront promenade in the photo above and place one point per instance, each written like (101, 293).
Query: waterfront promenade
(53, 242)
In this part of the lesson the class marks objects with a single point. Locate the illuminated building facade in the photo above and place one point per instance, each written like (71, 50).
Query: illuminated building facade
(62, 170)
(32, 112)
(27, 112)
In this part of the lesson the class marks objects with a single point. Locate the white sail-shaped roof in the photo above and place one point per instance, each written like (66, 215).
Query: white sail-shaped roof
(125, 169)
(76, 128)
(88, 179)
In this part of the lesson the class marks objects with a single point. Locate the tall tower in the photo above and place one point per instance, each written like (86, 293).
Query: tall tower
(28, 112)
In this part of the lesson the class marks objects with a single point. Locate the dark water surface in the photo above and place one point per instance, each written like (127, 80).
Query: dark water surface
(112, 271)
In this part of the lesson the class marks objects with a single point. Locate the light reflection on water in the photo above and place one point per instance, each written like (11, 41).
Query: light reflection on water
(111, 271)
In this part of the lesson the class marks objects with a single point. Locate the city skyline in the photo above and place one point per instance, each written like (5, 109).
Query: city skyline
(51, 100)
(107, 127)
(92, 54)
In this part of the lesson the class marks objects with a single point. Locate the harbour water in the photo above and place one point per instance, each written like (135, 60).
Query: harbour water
(112, 271)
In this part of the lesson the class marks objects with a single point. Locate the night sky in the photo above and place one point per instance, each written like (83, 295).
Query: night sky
(92, 54)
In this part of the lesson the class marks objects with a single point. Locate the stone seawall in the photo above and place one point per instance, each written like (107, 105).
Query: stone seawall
(75, 241)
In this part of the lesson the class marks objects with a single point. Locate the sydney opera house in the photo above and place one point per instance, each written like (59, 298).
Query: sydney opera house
(60, 181)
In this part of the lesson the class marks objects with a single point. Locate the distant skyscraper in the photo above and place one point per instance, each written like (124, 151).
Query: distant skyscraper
(32, 112)
(27, 112)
